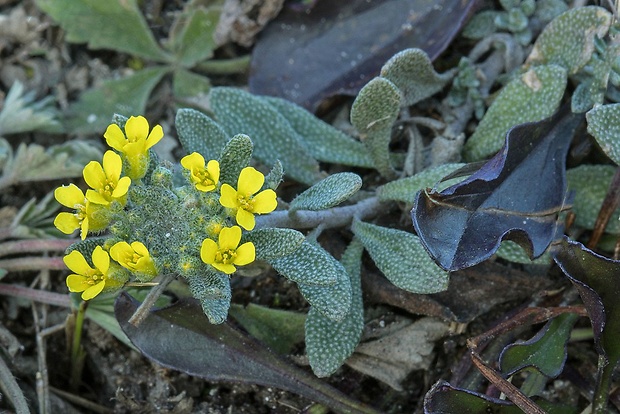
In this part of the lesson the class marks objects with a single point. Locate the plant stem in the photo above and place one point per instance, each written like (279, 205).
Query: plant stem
(224, 66)
(38, 245)
(36, 295)
(333, 217)
(32, 263)
(603, 383)
(11, 390)
(143, 310)
(77, 353)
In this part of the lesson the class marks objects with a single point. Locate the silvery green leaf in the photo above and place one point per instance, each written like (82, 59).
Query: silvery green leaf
(547, 10)
(236, 155)
(6, 152)
(530, 97)
(405, 189)
(273, 243)
(481, 25)
(402, 258)
(212, 289)
(514, 253)
(20, 113)
(36, 219)
(323, 141)
(604, 126)
(568, 41)
(333, 302)
(373, 114)
(273, 136)
(275, 176)
(412, 72)
(186, 83)
(191, 37)
(216, 309)
(311, 265)
(329, 343)
(328, 192)
(199, 133)
(590, 184)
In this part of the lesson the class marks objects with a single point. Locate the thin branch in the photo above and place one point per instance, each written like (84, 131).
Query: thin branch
(143, 310)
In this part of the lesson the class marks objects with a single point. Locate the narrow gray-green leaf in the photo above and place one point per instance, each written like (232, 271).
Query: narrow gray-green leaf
(199, 133)
(273, 243)
(333, 302)
(413, 74)
(192, 40)
(311, 265)
(111, 24)
(604, 125)
(187, 84)
(273, 136)
(328, 192)
(402, 258)
(329, 343)
(405, 189)
(236, 155)
(322, 140)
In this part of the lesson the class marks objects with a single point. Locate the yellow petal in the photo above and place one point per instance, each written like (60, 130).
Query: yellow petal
(140, 248)
(93, 291)
(76, 262)
(77, 283)
(225, 268)
(265, 202)
(69, 195)
(208, 251)
(213, 168)
(66, 222)
(84, 228)
(114, 137)
(229, 238)
(228, 197)
(245, 219)
(155, 136)
(101, 260)
(193, 160)
(112, 165)
(94, 175)
(136, 128)
(121, 187)
(246, 253)
(121, 251)
(250, 181)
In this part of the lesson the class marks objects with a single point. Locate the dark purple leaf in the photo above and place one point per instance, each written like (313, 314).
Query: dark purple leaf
(598, 281)
(180, 337)
(337, 47)
(516, 195)
(446, 399)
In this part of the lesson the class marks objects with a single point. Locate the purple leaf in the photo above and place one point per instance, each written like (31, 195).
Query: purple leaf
(598, 282)
(180, 337)
(337, 47)
(516, 195)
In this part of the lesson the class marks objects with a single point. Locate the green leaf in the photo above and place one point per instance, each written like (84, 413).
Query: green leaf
(405, 189)
(199, 133)
(322, 140)
(514, 253)
(280, 330)
(333, 302)
(309, 264)
(110, 24)
(412, 72)
(273, 136)
(373, 113)
(568, 41)
(533, 96)
(36, 220)
(275, 176)
(402, 258)
(273, 243)
(604, 126)
(481, 25)
(328, 192)
(213, 291)
(329, 343)
(546, 351)
(236, 155)
(92, 113)
(590, 184)
(21, 113)
(191, 38)
(188, 84)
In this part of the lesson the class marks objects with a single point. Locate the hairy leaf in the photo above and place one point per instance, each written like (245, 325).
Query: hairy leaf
(273, 243)
(532, 96)
(236, 155)
(465, 224)
(191, 38)
(311, 265)
(199, 133)
(604, 125)
(329, 343)
(112, 24)
(402, 258)
(21, 113)
(180, 337)
(186, 83)
(546, 351)
(328, 192)
(333, 301)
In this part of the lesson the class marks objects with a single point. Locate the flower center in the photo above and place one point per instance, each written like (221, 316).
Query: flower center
(80, 211)
(94, 278)
(204, 178)
(226, 256)
(246, 202)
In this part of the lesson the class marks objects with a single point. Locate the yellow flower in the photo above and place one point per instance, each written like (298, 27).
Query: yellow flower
(105, 181)
(135, 257)
(244, 200)
(134, 143)
(227, 253)
(85, 217)
(90, 281)
(204, 178)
